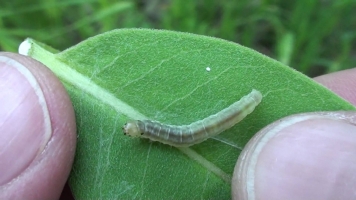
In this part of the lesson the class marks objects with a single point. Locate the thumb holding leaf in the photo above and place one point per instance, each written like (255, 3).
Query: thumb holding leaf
(304, 156)
(37, 130)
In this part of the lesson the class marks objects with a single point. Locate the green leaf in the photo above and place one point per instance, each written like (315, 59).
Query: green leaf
(162, 75)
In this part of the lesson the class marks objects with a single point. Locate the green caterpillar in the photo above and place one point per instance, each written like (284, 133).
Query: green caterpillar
(196, 132)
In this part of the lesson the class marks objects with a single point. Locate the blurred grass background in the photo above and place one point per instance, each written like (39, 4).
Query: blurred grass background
(312, 36)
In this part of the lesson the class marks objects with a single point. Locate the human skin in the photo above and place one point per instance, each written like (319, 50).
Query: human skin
(37, 130)
(304, 156)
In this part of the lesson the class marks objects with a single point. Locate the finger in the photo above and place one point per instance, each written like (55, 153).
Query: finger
(37, 130)
(342, 83)
(305, 156)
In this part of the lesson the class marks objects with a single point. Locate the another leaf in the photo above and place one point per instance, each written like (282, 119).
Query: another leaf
(162, 75)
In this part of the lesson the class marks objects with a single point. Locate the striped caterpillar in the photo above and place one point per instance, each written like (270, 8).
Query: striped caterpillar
(196, 132)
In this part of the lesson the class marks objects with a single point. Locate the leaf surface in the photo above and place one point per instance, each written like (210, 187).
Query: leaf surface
(175, 78)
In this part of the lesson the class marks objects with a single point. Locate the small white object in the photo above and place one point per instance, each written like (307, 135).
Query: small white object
(208, 69)
(25, 47)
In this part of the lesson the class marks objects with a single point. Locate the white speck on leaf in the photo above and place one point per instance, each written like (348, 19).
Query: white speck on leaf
(208, 69)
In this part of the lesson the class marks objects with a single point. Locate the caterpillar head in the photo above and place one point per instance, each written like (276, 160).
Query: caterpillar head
(131, 129)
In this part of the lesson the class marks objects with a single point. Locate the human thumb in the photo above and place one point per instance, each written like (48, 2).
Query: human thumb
(37, 130)
(305, 156)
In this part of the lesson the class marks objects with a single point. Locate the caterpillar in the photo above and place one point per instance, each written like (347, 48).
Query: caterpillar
(196, 132)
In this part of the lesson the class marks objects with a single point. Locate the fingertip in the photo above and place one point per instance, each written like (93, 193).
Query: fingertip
(306, 156)
(41, 115)
(342, 83)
